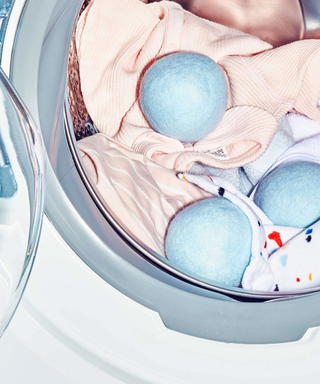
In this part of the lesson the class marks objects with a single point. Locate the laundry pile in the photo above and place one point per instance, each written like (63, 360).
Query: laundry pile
(272, 117)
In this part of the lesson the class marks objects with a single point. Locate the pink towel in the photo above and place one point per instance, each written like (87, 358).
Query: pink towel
(118, 39)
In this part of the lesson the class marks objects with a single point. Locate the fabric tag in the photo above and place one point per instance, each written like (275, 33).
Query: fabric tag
(220, 153)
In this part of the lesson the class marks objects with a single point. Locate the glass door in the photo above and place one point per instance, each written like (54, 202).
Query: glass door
(22, 170)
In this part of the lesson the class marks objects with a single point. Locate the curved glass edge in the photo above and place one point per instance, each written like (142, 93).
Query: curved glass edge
(32, 150)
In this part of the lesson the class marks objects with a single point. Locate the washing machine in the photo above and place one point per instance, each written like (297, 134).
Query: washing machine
(81, 301)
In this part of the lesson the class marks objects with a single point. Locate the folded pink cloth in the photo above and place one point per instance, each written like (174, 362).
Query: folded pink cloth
(140, 195)
(118, 39)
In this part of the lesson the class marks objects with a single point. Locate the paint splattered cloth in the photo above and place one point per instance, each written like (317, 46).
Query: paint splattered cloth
(283, 258)
(293, 263)
(266, 237)
(296, 264)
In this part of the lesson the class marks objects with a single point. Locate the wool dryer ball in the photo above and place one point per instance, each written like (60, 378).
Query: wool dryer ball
(210, 239)
(184, 96)
(290, 195)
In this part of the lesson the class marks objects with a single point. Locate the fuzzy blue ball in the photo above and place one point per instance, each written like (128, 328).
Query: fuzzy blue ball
(210, 239)
(184, 96)
(290, 195)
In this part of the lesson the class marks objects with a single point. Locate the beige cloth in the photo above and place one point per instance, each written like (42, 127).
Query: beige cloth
(117, 39)
(278, 22)
(140, 194)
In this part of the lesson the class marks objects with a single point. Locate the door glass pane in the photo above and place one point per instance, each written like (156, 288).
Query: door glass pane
(21, 198)
(5, 9)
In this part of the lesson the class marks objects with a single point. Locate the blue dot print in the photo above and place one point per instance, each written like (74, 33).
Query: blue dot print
(284, 259)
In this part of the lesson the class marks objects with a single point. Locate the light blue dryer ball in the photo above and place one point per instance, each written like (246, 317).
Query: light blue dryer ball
(184, 96)
(210, 239)
(290, 195)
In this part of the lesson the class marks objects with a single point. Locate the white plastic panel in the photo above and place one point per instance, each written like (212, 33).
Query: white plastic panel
(73, 328)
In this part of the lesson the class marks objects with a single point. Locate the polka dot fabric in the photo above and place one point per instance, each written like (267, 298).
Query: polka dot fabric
(283, 258)
(296, 264)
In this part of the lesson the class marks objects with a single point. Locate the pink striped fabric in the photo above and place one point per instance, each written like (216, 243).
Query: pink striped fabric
(140, 194)
(118, 39)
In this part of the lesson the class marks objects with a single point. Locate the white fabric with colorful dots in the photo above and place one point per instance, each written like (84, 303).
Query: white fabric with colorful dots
(294, 261)
(296, 265)
(283, 258)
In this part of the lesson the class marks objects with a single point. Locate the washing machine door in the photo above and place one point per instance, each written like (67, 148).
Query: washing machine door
(22, 174)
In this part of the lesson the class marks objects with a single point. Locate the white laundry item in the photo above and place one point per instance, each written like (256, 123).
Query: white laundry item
(282, 140)
(257, 219)
(293, 128)
(271, 245)
(236, 176)
(296, 263)
(302, 127)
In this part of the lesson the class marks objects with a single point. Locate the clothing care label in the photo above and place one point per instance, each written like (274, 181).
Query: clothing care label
(219, 153)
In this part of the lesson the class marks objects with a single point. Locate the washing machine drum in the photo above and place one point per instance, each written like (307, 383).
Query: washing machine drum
(84, 217)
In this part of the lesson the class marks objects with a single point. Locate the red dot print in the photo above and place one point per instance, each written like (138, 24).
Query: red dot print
(265, 244)
(298, 280)
(276, 237)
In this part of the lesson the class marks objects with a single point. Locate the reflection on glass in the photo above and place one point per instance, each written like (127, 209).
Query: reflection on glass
(5, 9)
(21, 198)
(8, 184)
